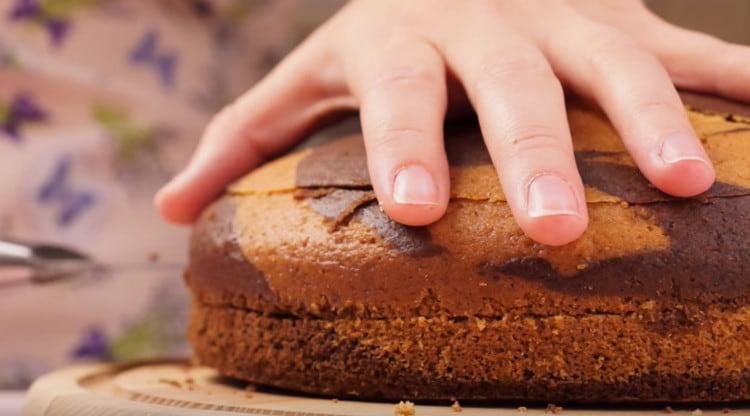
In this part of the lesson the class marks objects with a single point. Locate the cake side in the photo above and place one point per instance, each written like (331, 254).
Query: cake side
(590, 359)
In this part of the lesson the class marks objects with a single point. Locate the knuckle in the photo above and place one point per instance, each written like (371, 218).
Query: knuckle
(533, 139)
(708, 45)
(725, 58)
(610, 47)
(231, 124)
(653, 106)
(505, 69)
(404, 76)
(227, 116)
(389, 137)
(730, 60)
(483, 7)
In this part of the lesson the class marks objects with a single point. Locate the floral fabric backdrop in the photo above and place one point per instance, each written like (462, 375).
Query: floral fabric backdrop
(101, 101)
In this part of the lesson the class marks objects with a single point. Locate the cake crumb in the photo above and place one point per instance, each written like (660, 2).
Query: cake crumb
(335, 400)
(456, 407)
(668, 410)
(582, 266)
(697, 412)
(404, 409)
(173, 383)
(523, 409)
(726, 410)
(481, 324)
(551, 408)
(314, 308)
(249, 390)
(648, 305)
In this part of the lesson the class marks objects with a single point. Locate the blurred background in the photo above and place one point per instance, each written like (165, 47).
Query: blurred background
(101, 101)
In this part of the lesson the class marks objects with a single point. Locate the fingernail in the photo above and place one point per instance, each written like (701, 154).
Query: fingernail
(678, 147)
(413, 185)
(551, 195)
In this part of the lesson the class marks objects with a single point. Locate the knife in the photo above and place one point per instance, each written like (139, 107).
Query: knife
(23, 263)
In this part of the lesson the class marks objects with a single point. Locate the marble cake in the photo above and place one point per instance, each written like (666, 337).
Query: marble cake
(301, 282)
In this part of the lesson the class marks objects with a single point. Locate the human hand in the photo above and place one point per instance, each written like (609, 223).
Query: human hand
(403, 64)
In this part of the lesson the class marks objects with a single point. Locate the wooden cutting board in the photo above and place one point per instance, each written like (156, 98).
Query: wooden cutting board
(176, 388)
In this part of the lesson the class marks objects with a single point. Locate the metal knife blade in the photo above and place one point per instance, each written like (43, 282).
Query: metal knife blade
(22, 264)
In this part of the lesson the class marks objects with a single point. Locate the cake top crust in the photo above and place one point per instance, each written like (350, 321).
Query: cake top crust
(607, 170)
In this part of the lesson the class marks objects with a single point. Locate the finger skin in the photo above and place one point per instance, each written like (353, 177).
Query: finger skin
(267, 119)
(401, 88)
(694, 60)
(702, 62)
(521, 110)
(640, 99)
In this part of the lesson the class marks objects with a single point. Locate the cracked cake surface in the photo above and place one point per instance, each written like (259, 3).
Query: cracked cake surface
(300, 281)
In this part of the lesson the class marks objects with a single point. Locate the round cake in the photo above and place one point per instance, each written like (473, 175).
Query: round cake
(301, 282)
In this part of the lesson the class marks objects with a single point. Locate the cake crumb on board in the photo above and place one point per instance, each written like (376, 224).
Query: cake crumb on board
(456, 407)
(697, 412)
(170, 382)
(523, 409)
(405, 409)
(554, 409)
(668, 410)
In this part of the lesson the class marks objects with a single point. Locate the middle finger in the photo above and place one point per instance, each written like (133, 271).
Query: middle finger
(521, 109)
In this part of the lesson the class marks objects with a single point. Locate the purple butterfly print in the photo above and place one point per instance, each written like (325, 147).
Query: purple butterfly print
(22, 110)
(57, 29)
(146, 52)
(93, 346)
(58, 191)
(23, 106)
(25, 9)
(31, 10)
